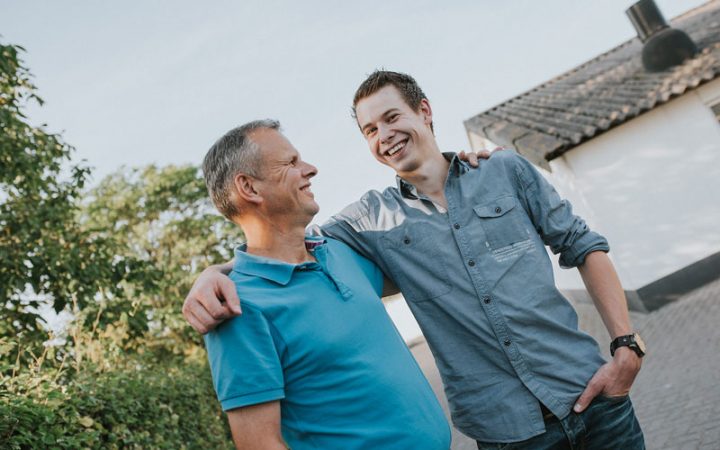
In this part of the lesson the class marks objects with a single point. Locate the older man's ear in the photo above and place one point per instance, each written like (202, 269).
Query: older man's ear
(473, 158)
(245, 188)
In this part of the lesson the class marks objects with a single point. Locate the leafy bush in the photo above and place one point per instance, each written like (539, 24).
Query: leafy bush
(144, 407)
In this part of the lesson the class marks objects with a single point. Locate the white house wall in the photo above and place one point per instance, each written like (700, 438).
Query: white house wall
(652, 186)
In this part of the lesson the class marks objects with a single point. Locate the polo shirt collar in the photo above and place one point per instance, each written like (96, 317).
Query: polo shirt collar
(274, 270)
(457, 168)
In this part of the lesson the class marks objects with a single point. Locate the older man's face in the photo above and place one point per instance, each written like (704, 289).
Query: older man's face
(285, 182)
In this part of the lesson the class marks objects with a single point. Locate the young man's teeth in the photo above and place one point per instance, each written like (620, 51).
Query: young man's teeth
(395, 149)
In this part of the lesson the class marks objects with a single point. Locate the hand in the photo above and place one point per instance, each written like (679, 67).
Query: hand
(211, 300)
(612, 379)
(472, 157)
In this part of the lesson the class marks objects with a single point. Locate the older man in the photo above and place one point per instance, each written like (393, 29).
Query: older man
(467, 249)
(314, 361)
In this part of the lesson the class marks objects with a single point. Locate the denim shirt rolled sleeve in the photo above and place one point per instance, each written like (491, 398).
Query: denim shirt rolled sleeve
(565, 233)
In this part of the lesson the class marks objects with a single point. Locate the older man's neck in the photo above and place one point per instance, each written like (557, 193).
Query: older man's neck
(283, 242)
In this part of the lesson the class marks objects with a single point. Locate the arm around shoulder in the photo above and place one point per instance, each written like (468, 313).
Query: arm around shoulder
(212, 299)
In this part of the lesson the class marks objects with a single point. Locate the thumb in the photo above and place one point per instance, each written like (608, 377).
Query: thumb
(591, 391)
(228, 292)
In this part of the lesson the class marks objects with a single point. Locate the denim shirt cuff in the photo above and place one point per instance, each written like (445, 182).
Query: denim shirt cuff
(575, 255)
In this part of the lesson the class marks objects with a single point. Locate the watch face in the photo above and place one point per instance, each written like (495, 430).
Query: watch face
(640, 343)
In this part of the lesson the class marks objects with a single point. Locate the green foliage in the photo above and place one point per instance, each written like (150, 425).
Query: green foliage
(143, 407)
(45, 253)
(128, 372)
(161, 217)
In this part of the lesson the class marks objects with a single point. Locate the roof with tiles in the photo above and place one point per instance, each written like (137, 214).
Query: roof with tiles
(605, 92)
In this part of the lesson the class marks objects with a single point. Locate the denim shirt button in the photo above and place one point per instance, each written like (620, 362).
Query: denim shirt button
(471, 263)
(507, 342)
(456, 226)
(406, 240)
(486, 299)
(498, 210)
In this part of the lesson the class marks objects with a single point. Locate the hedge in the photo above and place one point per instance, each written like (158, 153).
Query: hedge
(159, 407)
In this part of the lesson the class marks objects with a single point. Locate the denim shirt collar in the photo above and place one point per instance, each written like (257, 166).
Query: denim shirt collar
(275, 270)
(457, 168)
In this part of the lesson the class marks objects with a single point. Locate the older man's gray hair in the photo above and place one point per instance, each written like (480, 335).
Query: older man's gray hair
(233, 153)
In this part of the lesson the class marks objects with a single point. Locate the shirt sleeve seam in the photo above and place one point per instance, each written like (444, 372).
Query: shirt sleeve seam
(235, 398)
(269, 321)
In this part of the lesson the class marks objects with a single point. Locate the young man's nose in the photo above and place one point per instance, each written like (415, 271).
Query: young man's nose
(386, 133)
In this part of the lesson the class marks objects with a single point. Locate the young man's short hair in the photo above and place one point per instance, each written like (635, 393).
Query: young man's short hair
(404, 83)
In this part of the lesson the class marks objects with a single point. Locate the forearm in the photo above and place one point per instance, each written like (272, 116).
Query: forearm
(604, 287)
(263, 443)
(257, 427)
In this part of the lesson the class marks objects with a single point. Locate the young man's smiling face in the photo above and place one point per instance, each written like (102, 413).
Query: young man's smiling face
(397, 136)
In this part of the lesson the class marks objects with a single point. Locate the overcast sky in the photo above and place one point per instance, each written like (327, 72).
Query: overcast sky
(140, 82)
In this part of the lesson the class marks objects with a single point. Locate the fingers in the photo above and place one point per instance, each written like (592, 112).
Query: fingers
(228, 292)
(469, 157)
(592, 390)
(211, 300)
(202, 322)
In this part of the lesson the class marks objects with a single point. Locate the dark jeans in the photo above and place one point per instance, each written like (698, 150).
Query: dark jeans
(608, 423)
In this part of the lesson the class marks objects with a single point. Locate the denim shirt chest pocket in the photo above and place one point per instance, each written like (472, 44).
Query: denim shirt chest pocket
(502, 221)
(413, 257)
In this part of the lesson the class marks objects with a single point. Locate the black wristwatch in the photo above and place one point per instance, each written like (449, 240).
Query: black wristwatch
(634, 341)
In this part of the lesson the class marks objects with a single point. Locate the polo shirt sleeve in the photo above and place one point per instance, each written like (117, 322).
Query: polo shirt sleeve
(245, 360)
(564, 232)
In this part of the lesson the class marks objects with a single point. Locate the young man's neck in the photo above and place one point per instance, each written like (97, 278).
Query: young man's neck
(429, 179)
(276, 240)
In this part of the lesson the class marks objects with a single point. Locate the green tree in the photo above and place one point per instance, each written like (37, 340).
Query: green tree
(45, 253)
(163, 218)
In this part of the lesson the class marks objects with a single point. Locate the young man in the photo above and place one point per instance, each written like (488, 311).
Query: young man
(466, 248)
(314, 361)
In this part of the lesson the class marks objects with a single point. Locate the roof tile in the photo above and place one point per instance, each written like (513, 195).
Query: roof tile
(602, 93)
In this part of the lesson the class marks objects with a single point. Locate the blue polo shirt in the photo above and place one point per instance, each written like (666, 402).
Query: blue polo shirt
(316, 336)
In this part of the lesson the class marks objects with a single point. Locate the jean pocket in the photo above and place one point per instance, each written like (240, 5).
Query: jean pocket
(613, 399)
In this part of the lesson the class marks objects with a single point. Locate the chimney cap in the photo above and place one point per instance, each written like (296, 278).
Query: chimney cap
(663, 46)
(647, 19)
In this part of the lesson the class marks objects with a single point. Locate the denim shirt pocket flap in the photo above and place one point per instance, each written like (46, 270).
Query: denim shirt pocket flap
(413, 257)
(495, 208)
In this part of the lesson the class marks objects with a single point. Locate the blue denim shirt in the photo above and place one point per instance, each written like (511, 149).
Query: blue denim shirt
(480, 284)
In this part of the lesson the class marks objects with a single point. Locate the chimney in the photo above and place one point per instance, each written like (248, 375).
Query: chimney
(663, 47)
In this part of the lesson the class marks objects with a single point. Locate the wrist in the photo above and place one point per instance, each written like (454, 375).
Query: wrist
(632, 342)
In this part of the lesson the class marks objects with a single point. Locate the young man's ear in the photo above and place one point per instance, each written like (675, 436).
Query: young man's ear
(245, 188)
(426, 111)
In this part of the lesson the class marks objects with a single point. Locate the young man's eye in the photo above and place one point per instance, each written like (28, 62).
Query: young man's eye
(393, 118)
